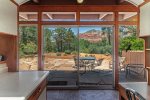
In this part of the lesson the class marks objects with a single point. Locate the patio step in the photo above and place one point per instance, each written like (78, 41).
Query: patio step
(70, 87)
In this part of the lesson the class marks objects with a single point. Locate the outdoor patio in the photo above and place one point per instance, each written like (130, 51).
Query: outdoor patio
(91, 78)
(63, 69)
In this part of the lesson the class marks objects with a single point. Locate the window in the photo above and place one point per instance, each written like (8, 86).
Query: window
(96, 16)
(131, 55)
(128, 16)
(28, 47)
(28, 16)
(59, 16)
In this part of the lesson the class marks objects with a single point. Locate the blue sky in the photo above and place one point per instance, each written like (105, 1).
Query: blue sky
(82, 29)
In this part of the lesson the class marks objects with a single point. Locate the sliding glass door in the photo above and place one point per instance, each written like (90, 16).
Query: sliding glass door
(60, 49)
(78, 55)
(96, 56)
(131, 55)
(28, 47)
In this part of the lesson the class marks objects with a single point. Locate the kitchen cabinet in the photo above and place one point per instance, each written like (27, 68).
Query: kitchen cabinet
(145, 20)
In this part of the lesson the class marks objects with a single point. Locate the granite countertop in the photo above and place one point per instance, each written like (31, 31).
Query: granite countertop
(20, 85)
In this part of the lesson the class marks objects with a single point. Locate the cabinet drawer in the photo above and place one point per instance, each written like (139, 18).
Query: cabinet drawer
(35, 95)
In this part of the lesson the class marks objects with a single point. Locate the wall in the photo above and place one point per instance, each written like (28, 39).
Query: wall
(8, 41)
(8, 48)
(8, 17)
(145, 20)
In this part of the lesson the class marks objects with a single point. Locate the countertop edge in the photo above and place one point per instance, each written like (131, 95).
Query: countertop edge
(37, 83)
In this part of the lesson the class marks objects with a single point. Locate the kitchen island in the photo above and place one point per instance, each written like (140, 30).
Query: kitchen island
(26, 85)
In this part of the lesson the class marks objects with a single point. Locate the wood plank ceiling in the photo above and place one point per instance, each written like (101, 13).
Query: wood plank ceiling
(85, 2)
(74, 2)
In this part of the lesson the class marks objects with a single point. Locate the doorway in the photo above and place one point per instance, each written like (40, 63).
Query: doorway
(96, 56)
(79, 56)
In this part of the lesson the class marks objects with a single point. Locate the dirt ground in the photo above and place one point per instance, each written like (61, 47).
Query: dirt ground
(63, 62)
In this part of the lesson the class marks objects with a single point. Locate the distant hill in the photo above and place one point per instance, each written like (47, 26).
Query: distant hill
(91, 31)
(93, 35)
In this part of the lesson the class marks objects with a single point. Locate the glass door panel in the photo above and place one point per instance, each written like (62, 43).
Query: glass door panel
(131, 55)
(28, 47)
(60, 48)
(96, 55)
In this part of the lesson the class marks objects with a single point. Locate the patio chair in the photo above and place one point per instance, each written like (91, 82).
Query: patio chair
(99, 61)
(90, 64)
(95, 65)
(138, 69)
(98, 64)
(133, 95)
(121, 63)
(81, 63)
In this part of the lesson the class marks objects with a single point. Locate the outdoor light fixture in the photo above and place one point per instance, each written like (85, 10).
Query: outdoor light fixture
(80, 1)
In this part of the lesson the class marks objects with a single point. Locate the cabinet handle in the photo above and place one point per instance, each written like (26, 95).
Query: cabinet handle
(39, 90)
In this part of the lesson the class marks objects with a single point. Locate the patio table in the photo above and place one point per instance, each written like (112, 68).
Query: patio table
(85, 60)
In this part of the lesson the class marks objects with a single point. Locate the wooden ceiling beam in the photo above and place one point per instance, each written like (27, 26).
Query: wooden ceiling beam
(14, 2)
(24, 16)
(72, 8)
(101, 16)
(49, 16)
(126, 16)
(134, 3)
(145, 2)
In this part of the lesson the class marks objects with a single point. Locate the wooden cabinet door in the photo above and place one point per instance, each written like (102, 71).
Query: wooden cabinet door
(43, 95)
(145, 20)
(40, 92)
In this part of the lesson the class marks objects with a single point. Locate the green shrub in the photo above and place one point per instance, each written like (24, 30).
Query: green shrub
(67, 52)
(74, 52)
(58, 54)
(85, 50)
(30, 48)
(136, 43)
(21, 53)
